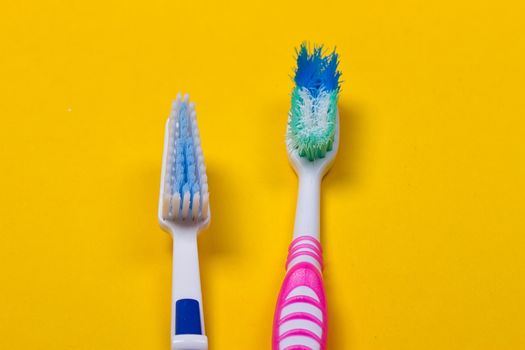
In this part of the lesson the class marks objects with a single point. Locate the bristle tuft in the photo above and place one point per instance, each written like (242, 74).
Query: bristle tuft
(185, 181)
(312, 117)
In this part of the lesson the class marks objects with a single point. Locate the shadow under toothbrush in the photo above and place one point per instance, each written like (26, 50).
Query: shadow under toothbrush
(344, 173)
(218, 241)
(148, 245)
(345, 170)
(220, 238)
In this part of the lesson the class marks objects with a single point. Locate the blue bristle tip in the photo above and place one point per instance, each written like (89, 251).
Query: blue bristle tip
(316, 71)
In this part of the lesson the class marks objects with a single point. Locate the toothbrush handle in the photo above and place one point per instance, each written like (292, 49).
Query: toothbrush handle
(300, 321)
(187, 323)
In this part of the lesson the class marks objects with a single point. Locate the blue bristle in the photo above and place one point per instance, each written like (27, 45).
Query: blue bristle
(196, 188)
(315, 71)
(178, 185)
(184, 173)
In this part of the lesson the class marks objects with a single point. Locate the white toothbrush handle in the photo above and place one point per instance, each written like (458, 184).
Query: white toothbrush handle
(300, 317)
(307, 218)
(187, 323)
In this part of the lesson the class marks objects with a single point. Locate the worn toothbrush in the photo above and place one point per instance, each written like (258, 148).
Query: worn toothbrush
(183, 212)
(312, 139)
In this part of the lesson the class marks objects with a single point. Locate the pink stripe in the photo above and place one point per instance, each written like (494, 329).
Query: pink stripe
(301, 274)
(302, 299)
(309, 239)
(298, 254)
(305, 246)
(305, 316)
(300, 333)
(301, 246)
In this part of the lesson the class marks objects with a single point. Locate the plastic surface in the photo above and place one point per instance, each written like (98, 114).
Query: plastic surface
(187, 317)
(310, 174)
(300, 320)
(189, 342)
(186, 276)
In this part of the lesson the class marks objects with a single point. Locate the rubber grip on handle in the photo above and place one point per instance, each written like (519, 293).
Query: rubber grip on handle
(300, 321)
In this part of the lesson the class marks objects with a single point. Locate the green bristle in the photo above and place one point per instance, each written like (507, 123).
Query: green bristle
(312, 118)
(311, 123)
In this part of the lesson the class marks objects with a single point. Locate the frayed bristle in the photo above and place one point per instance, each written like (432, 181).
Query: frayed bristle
(312, 118)
(185, 183)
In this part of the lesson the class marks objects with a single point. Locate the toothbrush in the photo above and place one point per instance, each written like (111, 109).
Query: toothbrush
(183, 212)
(312, 139)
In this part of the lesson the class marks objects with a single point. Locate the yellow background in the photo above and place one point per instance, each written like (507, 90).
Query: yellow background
(422, 214)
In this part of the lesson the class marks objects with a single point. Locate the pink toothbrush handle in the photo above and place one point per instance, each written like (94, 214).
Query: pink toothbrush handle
(300, 317)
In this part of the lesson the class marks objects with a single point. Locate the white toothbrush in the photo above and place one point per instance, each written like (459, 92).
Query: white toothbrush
(183, 212)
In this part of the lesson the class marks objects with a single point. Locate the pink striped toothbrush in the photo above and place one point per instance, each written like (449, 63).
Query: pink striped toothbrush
(300, 321)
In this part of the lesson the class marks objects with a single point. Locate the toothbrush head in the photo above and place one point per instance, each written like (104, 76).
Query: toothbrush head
(313, 119)
(184, 185)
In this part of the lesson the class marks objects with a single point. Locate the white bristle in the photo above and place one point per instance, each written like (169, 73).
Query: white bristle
(175, 110)
(167, 188)
(205, 205)
(166, 205)
(195, 206)
(175, 205)
(185, 205)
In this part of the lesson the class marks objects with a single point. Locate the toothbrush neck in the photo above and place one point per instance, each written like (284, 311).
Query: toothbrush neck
(307, 211)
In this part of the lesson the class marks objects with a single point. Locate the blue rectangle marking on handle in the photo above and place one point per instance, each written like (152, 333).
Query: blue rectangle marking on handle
(187, 317)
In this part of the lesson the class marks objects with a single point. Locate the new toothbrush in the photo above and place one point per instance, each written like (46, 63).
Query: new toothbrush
(183, 212)
(312, 138)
